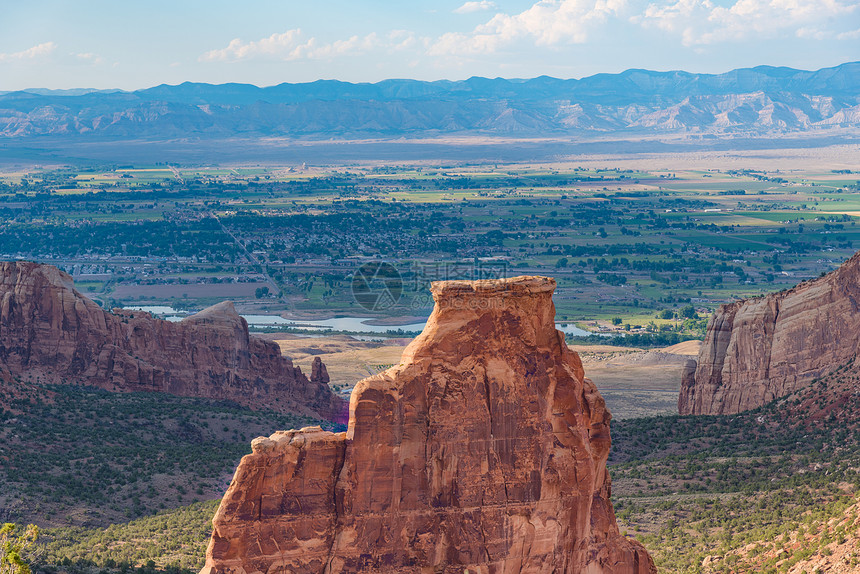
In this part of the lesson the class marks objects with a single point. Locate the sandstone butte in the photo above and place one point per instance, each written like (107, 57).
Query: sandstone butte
(51, 333)
(758, 350)
(483, 451)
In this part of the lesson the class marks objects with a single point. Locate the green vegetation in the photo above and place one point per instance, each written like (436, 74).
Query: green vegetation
(17, 551)
(620, 242)
(637, 340)
(174, 540)
(692, 488)
(86, 457)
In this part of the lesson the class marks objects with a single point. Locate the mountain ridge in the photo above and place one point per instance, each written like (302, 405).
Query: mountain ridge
(805, 79)
(748, 101)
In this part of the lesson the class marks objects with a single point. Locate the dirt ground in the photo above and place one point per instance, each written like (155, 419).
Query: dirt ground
(638, 383)
(634, 382)
(347, 360)
(837, 156)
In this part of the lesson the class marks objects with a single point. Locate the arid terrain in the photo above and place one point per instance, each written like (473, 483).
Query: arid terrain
(634, 382)
(638, 382)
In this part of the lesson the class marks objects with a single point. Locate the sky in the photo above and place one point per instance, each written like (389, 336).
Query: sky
(63, 44)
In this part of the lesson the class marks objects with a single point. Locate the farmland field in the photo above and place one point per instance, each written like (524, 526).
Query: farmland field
(643, 246)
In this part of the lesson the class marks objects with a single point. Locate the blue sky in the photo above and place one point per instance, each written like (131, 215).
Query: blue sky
(130, 45)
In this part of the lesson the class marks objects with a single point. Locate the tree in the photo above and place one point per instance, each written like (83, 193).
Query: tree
(17, 550)
(688, 312)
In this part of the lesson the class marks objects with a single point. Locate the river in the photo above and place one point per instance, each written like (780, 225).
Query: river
(349, 324)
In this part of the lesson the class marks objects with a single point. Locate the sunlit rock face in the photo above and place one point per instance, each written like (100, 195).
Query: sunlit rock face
(761, 349)
(51, 333)
(484, 451)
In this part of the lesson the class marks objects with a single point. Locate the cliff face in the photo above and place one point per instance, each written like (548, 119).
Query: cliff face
(760, 349)
(484, 451)
(49, 332)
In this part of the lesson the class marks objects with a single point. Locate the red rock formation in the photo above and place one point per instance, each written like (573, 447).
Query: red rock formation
(49, 332)
(319, 374)
(483, 451)
(760, 349)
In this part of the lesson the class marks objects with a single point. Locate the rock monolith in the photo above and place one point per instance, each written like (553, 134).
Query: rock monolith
(483, 451)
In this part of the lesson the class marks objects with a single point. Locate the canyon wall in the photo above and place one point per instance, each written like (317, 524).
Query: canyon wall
(51, 333)
(761, 349)
(483, 451)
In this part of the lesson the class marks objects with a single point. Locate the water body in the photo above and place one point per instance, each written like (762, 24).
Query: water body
(353, 324)
(350, 324)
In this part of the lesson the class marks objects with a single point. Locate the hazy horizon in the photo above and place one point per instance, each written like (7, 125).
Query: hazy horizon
(52, 44)
(396, 79)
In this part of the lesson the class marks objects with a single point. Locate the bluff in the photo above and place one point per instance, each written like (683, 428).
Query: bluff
(49, 332)
(483, 451)
(761, 349)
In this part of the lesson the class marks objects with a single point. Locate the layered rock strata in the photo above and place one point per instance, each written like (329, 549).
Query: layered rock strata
(51, 333)
(483, 451)
(761, 349)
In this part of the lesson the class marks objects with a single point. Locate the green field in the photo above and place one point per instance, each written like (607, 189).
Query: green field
(622, 242)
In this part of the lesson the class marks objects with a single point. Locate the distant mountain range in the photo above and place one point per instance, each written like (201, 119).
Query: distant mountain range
(746, 102)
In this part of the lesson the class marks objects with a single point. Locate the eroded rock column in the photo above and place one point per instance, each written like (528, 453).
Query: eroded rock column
(483, 450)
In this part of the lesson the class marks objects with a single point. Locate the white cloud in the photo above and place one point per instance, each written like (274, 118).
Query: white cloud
(456, 44)
(851, 35)
(37, 51)
(703, 22)
(90, 57)
(291, 45)
(316, 50)
(555, 23)
(274, 46)
(470, 7)
(811, 33)
(547, 22)
(401, 39)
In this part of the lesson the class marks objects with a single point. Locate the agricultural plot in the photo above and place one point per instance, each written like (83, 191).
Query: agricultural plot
(625, 243)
